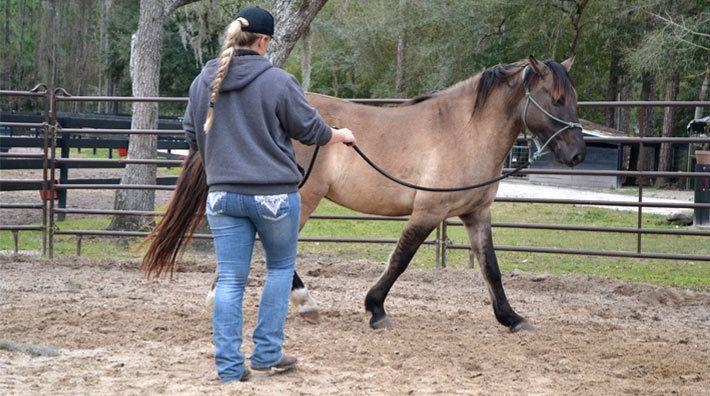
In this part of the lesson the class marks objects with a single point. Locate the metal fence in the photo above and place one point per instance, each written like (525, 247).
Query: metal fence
(51, 131)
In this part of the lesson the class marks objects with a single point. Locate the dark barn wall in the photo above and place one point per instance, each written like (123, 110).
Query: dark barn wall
(599, 157)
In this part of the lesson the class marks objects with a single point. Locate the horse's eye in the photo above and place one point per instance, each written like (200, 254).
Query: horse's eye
(558, 103)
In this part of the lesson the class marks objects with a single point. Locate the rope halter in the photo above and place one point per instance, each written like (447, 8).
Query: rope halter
(541, 150)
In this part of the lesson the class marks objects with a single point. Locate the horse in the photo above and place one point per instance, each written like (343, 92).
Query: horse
(449, 138)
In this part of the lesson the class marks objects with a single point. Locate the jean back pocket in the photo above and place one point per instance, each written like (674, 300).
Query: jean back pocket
(216, 203)
(272, 207)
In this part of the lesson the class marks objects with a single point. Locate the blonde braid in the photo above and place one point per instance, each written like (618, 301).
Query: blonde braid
(234, 30)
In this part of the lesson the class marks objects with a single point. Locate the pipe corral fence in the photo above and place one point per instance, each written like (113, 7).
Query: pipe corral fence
(50, 131)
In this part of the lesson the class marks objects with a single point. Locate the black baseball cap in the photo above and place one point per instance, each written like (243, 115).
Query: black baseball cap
(260, 20)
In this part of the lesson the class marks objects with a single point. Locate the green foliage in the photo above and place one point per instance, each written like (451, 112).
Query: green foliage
(355, 46)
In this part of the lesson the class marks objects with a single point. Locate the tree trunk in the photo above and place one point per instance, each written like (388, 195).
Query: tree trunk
(146, 51)
(576, 25)
(291, 19)
(40, 43)
(7, 64)
(399, 56)
(639, 160)
(612, 91)
(20, 66)
(7, 23)
(399, 67)
(624, 120)
(671, 93)
(703, 93)
(52, 67)
(306, 60)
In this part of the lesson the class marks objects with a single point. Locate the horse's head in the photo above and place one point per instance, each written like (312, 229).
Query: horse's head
(549, 109)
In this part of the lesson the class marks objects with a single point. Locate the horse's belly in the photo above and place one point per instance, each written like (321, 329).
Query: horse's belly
(376, 200)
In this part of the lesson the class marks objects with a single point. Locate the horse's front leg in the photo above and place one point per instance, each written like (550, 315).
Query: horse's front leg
(478, 226)
(414, 234)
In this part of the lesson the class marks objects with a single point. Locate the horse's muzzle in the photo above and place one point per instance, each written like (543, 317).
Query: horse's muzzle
(574, 156)
(570, 154)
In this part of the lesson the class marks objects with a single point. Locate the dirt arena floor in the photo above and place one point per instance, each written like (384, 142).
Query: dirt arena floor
(102, 328)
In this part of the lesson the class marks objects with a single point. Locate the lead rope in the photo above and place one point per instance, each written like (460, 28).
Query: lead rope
(310, 168)
(540, 151)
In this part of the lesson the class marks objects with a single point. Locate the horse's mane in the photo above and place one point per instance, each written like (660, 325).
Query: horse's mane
(501, 74)
(491, 78)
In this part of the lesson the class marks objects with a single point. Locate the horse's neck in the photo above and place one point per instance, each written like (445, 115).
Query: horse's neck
(497, 123)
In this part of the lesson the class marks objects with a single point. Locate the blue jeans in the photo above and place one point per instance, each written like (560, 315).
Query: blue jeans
(234, 220)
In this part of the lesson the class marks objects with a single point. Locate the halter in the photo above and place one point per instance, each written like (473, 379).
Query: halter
(541, 150)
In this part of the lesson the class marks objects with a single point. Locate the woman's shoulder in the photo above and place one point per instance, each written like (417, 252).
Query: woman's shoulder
(281, 74)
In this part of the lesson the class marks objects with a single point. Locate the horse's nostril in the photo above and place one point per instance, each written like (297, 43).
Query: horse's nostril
(578, 158)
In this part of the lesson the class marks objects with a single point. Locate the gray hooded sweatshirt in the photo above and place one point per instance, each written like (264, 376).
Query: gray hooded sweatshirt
(259, 109)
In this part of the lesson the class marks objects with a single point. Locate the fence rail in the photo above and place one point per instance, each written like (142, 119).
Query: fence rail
(50, 132)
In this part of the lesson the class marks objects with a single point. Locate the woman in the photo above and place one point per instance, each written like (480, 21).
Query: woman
(241, 116)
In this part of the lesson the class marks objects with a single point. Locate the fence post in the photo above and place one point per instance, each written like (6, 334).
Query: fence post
(52, 128)
(444, 243)
(15, 239)
(437, 246)
(45, 164)
(640, 181)
(63, 175)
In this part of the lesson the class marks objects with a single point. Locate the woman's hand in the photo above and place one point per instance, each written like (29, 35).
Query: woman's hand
(342, 135)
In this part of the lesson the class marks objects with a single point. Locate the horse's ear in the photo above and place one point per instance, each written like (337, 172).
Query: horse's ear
(568, 62)
(536, 65)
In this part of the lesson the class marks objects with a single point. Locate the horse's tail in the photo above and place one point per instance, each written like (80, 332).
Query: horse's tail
(184, 215)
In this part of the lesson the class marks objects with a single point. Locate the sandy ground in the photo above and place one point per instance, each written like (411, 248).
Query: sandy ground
(117, 333)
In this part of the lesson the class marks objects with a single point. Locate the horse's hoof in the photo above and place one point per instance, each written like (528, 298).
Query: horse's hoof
(384, 323)
(312, 316)
(209, 299)
(522, 326)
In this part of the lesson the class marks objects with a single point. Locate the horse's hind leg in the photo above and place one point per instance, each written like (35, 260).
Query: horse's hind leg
(301, 298)
(415, 232)
(478, 226)
(311, 194)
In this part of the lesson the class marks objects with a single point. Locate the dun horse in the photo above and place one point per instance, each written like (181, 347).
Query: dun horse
(455, 137)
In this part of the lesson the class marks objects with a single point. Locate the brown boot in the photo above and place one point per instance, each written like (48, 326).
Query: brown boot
(286, 363)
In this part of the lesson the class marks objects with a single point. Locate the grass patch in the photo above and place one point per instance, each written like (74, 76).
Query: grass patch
(662, 272)
(94, 247)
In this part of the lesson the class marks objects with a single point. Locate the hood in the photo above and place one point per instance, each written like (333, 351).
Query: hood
(242, 71)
